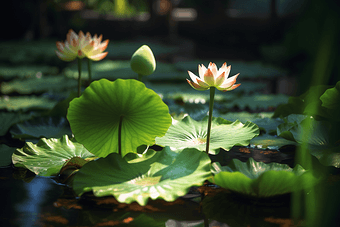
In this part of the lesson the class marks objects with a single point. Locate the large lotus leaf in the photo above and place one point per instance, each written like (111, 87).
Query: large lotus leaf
(94, 116)
(9, 119)
(259, 179)
(224, 134)
(37, 85)
(25, 102)
(48, 156)
(47, 127)
(165, 174)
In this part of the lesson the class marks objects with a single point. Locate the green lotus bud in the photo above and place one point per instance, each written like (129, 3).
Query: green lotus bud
(143, 61)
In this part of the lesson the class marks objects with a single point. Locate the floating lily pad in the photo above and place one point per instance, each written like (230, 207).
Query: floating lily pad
(38, 85)
(258, 101)
(28, 52)
(187, 94)
(8, 72)
(94, 117)
(6, 155)
(9, 119)
(197, 111)
(48, 156)
(258, 179)
(245, 116)
(104, 69)
(224, 134)
(165, 174)
(42, 127)
(25, 103)
(120, 69)
(271, 142)
(264, 120)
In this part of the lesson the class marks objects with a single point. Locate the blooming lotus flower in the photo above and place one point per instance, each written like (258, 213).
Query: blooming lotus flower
(95, 47)
(81, 46)
(211, 77)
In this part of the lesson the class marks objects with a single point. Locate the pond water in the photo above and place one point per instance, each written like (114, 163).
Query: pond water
(40, 201)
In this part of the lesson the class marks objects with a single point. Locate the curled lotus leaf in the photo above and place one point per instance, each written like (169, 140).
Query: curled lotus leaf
(48, 156)
(321, 137)
(165, 174)
(258, 179)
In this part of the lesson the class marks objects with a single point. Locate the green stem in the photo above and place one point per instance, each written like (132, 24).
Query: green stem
(89, 66)
(140, 76)
(120, 135)
(211, 105)
(79, 76)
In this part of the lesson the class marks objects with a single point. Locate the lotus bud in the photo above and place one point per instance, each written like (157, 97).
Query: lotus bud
(143, 61)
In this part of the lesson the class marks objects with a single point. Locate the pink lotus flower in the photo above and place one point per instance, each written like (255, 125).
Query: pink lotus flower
(211, 77)
(81, 46)
(95, 48)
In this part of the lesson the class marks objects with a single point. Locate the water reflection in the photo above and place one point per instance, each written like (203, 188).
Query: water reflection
(42, 202)
(31, 206)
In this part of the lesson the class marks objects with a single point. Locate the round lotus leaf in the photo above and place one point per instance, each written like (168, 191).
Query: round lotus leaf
(224, 134)
(95, 116)
(165, 174)
(258, 179)
(143, 61)
(48, 156)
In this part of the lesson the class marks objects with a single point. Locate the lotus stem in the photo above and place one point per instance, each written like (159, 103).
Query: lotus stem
(79, 77)
(120, 135)
(211, 105)
(140, 76)
(89, 66)
(206, 221)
